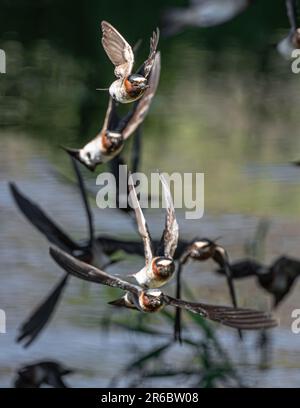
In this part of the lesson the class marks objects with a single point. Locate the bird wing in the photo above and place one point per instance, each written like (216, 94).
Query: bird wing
(170, 235)
(137, 115)
(292, 13)
(55, 380)
(35, 323)
(118, 50)
(87, 272)
(146, 68)
(141, 222)
(85, 200)
(42, 222)
(245, 319)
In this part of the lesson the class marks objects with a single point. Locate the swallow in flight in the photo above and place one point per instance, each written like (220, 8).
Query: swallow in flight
(91, 250)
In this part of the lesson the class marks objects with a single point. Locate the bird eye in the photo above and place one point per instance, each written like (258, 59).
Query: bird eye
(88, 155)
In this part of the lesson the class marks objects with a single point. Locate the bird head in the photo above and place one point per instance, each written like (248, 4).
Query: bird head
(163, 267)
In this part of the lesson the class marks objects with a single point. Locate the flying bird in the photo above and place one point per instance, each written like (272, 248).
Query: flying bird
(128, 87)
(277, 279)
(90, 250)
(292, 41)
(153, 300)
(202, 13)
(41, 373)
(202, 250)
(120, 170)
(115, 131)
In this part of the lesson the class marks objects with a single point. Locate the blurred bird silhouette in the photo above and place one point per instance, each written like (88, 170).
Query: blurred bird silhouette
(153, 300)
(292, 41)
(201, 13)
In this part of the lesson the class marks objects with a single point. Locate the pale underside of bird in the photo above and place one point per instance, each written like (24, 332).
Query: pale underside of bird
(292, 41)
(128, 87)
(115, 131)
(153, 300)
(202, 13)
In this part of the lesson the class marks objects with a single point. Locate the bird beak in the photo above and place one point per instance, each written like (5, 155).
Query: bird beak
(74, 153)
